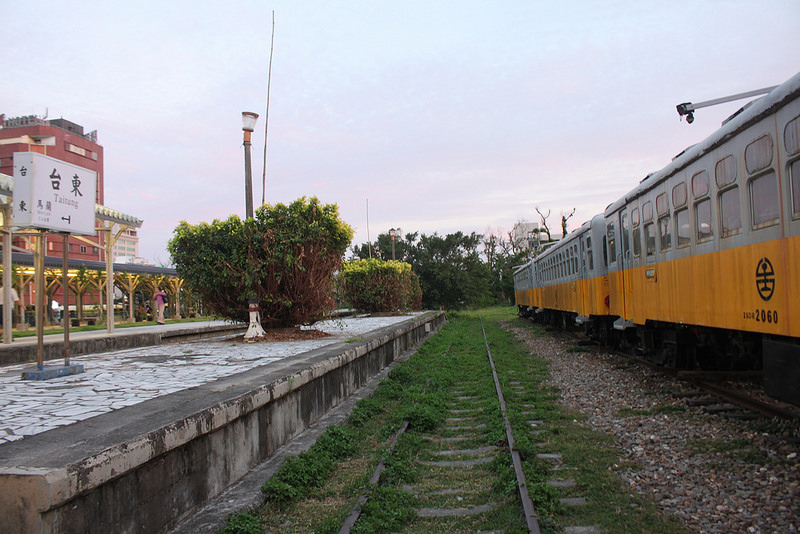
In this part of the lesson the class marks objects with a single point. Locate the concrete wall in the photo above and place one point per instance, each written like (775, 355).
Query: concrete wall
(144, 468)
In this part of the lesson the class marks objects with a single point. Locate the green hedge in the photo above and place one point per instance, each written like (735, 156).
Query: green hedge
(374, 285)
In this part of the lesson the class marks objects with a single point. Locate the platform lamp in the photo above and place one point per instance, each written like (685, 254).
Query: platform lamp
(248, 125)
(394, 233)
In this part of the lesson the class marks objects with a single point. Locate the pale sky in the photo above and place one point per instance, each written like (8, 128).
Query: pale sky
(443, 116)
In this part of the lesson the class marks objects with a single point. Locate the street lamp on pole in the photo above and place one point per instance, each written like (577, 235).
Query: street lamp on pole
(248, 125)
(394, 233)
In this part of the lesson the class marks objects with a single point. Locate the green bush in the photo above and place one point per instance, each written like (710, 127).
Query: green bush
(285, 257)
(374, 285)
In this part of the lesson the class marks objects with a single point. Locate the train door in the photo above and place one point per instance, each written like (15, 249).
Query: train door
(624, 262)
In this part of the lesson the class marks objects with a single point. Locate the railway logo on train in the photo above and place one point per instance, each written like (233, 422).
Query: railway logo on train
(765, 279)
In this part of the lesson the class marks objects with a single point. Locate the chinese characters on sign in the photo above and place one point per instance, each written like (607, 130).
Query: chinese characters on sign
(53, 195)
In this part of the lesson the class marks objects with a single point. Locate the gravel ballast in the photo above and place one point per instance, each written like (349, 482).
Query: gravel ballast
(716, 474)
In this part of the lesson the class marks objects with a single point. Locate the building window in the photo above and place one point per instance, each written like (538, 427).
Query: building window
(764, 200)
(730, 212)
(83, 249)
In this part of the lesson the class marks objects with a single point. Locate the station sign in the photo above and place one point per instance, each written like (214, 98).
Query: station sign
(53, 195)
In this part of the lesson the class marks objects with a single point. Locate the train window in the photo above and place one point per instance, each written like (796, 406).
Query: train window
(662, 204)
(758, 154)
(679, 195)
(650, 238)
(589, 253)
(791, 136)
(700, 184)
(637, 241)
(702, 215)
(626, 236)
(612, 243)
(730, 212)
(726, 171)
(605, 252)
(665, 235)
(794, 174)
(575, 259)
(647, 211)
(635, 216)
(764, 201)
(683, 230)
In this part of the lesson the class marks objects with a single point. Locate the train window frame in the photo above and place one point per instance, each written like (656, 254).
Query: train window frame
(725, 171)
(698, 222)
(680, 195)
(700, 184)
(794, 185)
(683, 222)
(611, 233)
(650, 239)
(791, 136)
(637, 241)
(758, 154)
(626, 235)
(647, 211)
(575, 258)
(764, 211)
(635, 216)
(664, 233)
(662, 204)
(589, 253)
(725, 230)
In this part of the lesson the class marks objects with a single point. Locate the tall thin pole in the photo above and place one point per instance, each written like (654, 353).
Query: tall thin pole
(369, 243)
(248, 178)
(266, 117)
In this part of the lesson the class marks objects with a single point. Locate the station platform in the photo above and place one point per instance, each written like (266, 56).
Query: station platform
(146, 436)
(25, 349)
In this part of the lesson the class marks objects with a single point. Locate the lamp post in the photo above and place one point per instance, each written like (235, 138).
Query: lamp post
(394, 233)
(248, 125)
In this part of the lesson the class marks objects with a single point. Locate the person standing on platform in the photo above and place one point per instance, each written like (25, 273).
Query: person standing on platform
(161, 302)
(14, 300)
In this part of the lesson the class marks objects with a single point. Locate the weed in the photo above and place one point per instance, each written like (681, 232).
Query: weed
(242, 523)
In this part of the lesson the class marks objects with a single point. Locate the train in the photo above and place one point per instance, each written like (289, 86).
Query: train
(698, 266)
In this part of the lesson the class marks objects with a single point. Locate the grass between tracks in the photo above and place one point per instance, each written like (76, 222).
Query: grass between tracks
(315, 491)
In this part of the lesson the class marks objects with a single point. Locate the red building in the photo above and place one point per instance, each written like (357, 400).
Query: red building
(63, 140)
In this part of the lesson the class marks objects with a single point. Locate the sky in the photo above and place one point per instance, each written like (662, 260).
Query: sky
(429, 116)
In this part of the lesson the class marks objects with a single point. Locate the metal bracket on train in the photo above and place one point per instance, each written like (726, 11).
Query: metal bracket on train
(539, 310)
(622, 324)
(580, 319)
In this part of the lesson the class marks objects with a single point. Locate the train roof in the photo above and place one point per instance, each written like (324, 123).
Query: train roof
(744, 118)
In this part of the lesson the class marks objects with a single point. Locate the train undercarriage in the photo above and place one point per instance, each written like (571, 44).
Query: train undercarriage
(689, 347)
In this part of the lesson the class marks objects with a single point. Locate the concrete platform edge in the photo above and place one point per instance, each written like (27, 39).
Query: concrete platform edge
(153, 478)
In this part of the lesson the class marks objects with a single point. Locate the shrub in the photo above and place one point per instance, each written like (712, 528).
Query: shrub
(374, 285)
(285, 257)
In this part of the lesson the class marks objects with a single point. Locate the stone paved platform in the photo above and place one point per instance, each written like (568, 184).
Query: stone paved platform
(114, 380)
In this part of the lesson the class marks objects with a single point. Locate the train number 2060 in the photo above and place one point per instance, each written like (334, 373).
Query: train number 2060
(762, 316)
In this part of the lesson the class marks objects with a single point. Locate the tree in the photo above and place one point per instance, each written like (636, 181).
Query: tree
(544, 227)
(284, 257)
(564, 219)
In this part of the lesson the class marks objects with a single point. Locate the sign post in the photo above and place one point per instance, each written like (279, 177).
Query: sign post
(56, 196)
